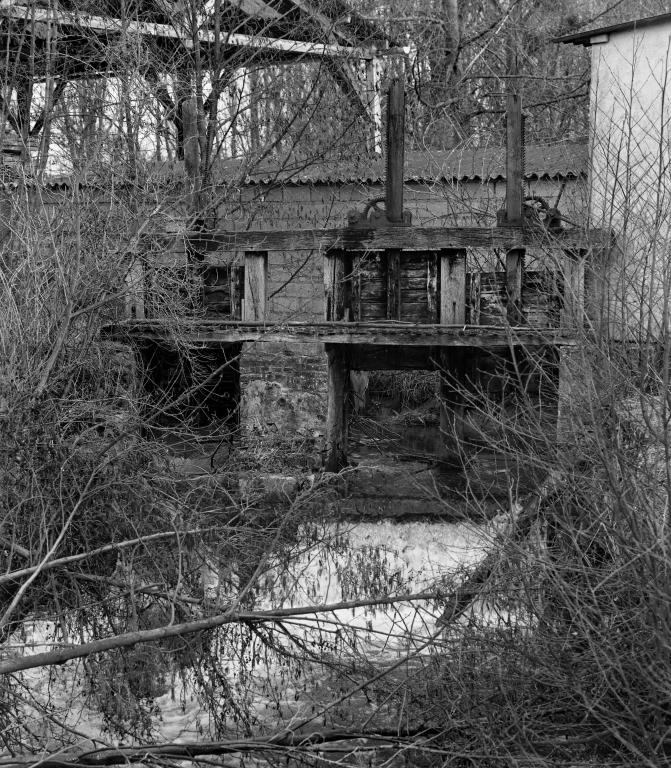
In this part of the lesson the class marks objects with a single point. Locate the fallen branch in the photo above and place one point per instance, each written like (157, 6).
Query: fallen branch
(129, 639)
(286, 740)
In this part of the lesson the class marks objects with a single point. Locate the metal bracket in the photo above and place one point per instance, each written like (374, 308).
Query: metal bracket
(373, 217)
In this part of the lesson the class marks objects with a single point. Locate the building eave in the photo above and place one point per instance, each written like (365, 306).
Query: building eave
(593, 36)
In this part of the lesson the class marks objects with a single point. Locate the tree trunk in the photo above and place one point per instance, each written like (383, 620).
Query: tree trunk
(443, 131)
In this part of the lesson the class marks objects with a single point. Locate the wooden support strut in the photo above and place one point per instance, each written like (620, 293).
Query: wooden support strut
(395, 152)
(452, 361)
(394, 191)
(336, 415)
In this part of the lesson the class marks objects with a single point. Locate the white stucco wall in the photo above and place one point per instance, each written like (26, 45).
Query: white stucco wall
(630, 178)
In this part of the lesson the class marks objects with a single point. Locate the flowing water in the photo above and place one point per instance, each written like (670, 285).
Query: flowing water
(416, 543)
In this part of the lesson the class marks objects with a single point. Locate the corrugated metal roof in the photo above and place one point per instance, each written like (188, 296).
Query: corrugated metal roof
(485, 164)
(553, 161)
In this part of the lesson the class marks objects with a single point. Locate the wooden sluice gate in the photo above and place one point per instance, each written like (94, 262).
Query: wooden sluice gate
(402, 297)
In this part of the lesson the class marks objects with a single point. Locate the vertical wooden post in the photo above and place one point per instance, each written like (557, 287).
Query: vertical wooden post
(572, 315)
(452, 376)
(336, 415)
(254, 309)
(337, 290)
(514, 277)
(393, 284)
(514, 160)
(395, 152)
(452, 287)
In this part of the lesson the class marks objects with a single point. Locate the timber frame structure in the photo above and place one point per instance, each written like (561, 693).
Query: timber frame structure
(417, 323)
(56, 41)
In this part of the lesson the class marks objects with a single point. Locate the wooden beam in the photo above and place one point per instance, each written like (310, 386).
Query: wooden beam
(111, 25)
(452, 287)
(254, 309)
(371, 333)
(514, 160)
(336, 413)
(514, 277)
(395, 151)
(385, 238)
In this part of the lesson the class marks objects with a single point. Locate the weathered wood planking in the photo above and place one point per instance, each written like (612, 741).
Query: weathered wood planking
(385, 287)
(419, 287)
(402, 237)
(369, 291)
(254, 308)
(492, 298)
(373, 333)
(452, 287)
(217, 291)
(487, 299)
(223, 290)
